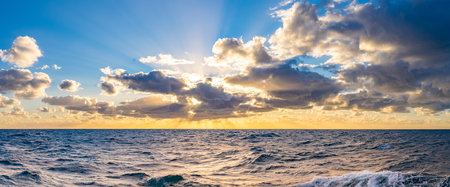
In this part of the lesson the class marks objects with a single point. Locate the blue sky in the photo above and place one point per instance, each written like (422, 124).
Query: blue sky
(82, 37)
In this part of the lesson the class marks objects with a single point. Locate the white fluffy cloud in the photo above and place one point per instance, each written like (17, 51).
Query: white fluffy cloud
(23, 53)
(235, 54)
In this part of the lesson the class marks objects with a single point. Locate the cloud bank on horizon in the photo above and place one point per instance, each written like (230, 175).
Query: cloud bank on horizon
(382, 56)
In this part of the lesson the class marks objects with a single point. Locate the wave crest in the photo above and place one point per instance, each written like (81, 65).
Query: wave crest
(382, 178)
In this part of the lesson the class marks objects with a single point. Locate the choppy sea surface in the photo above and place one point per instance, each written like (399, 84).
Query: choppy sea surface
(225, 157)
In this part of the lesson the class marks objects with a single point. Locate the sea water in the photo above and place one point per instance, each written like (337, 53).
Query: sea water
(225, 157)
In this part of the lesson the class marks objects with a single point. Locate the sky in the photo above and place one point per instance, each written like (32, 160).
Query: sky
(319, 64)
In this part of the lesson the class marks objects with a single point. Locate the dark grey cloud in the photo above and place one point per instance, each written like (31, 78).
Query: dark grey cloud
(108, 88)
(419, 65)
(154, 81)
(23, 83)
(368, 101)
(405, 46)
(215, 102)
(288, 85)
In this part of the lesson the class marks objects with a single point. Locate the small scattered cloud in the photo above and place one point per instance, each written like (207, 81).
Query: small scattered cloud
(44, 67)
(164, 59)
(47, 110)
(69, 85)
(108, 88)
(282, 4)
(56, 67)
(109, 71)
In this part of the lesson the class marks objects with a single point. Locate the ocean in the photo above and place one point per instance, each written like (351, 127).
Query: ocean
(224, 157)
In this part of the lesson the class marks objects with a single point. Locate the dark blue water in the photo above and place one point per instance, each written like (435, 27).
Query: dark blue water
(224, 158)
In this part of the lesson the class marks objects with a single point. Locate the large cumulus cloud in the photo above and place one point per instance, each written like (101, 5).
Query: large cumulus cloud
(397, 49)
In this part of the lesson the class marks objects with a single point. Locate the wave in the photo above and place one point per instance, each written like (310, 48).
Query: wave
(382, 178)
(163, 181)
(139, 176)
(10, 162)
(383, 147)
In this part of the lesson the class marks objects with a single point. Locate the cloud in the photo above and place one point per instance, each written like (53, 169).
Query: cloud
(301, 30)
(56, 67)
(23, 83)
(109, 71)
(44, 67)
(108, 88)
(398, 50)
(288, 86)
(150, 106)
(368, 101)
(69, 85)
(6, 102)
(282, 4)
(154, 81)
(153, 106)
(203, 101)
(23, 53)
(164, 59)
(233, 50)
(47, 110)
(213, 102)
(384, 57)
(16, 111)
(77, 103)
